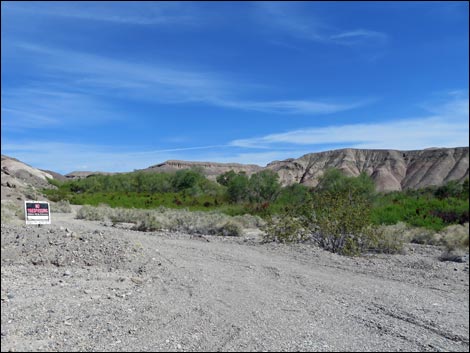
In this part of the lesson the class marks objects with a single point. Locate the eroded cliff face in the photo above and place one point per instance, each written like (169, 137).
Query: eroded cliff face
(390, 169)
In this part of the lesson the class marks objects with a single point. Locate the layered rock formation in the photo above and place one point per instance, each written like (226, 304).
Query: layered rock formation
(390, 169)
(210, 169)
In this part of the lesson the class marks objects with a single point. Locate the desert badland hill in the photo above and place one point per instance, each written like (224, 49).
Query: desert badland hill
(390, 169)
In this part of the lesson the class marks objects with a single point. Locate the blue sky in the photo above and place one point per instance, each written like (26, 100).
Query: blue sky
(117, 86)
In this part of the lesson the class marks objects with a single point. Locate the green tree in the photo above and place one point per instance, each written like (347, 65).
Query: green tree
(225, 178)
(186, 179)
(264, 186)
(334, 181)
(238, 188)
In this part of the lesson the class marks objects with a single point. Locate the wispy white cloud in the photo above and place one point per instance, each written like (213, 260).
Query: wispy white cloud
(448, 127)
(65, 157)
(290, 18)
(127, 12)
(82, 82)
(33, 107)
(358, 36)
(293, 106)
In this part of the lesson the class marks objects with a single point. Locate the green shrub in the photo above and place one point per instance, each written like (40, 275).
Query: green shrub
(344, 224)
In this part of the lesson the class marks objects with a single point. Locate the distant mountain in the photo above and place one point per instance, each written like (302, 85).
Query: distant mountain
(210, 169)
(83, 174)
(390, 169)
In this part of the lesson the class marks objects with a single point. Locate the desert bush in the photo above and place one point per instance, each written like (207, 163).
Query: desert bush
(148, 223)
(455, 237)
(7, 215)
(455, 241)
(91, 213)
(287, 228)
(391, 239)
(11, 211)
(456, 255)
(230, 228)
(31, 193)
(62, 206)
(169, 219)
(343, 221)
(249, 221)
(420, 235)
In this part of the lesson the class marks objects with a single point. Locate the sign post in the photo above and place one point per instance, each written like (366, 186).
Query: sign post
(37, 212)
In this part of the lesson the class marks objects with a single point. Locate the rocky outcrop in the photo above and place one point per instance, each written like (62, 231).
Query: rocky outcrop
(20, 181)
(390, 169)
(18, 173)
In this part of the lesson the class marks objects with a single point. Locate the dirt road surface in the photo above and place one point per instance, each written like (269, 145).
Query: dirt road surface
(85, 286)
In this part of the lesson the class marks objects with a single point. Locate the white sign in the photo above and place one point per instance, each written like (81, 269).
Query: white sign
(37, 212)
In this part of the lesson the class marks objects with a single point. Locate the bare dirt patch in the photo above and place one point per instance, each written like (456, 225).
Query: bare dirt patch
(83, 286)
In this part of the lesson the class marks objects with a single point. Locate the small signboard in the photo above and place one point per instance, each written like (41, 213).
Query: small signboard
(37, 212)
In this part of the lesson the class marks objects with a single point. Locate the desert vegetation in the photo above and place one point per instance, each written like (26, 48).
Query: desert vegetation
(165, 219)
(341, 214)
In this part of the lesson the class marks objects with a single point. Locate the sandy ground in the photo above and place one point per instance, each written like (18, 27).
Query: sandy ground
(83, 286)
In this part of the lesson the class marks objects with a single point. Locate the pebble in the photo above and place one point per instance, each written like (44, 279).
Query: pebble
(137, 280)
(67, 273)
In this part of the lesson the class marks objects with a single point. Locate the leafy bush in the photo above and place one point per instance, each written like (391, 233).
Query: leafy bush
(419, 209)
(344, 224)
(238, 188)
(334, 181)
(264, 186)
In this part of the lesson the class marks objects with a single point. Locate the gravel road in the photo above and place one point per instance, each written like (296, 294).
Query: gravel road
(79, 285)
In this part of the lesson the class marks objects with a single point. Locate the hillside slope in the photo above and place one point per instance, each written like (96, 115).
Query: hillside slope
(390, 169)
